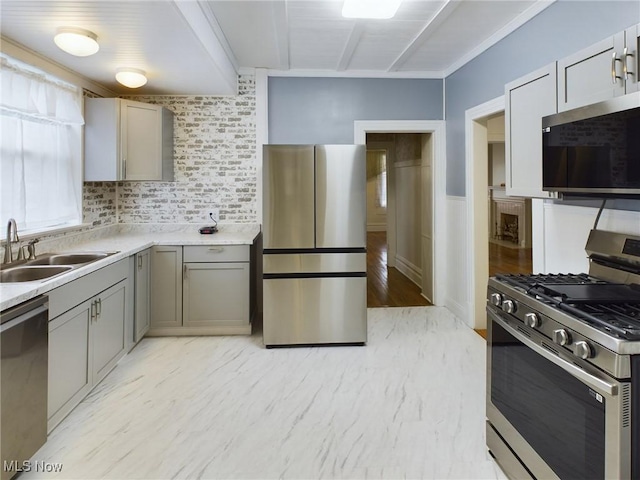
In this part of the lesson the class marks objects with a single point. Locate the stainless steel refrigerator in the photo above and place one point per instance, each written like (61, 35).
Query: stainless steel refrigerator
(314, 233)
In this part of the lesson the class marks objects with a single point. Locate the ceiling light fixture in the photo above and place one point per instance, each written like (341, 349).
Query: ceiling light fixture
(379, 9)
(76, 41)
(131, 77)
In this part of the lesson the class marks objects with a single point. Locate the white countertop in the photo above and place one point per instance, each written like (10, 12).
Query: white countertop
(127, 240)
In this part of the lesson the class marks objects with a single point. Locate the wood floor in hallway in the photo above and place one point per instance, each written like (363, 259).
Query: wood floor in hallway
(509, 260)
(386, 286)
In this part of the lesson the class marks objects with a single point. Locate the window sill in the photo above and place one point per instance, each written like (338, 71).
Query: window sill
(58, 230)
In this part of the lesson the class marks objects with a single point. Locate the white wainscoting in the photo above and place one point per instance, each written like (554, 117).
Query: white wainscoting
(567, 227)
(456, 299)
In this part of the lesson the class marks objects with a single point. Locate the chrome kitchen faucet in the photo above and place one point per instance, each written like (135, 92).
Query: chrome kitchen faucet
(12, 237)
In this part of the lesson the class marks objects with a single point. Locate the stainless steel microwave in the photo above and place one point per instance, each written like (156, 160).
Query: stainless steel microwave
(593, 150)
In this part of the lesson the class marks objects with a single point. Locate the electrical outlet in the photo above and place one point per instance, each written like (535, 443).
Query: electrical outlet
(213, 212)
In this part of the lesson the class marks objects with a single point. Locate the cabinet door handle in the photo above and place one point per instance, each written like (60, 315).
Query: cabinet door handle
(92, 312)
(185, 269)
(124, 168)
(99, 309)
(625, 66)
(216, 249)
(139, 262)
(614, 74)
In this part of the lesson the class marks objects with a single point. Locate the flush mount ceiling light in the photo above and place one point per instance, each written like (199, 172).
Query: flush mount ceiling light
(380, 9)
(131, 77)
(76, 41)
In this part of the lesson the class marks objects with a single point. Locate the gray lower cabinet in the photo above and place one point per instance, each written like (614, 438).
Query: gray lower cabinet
(86, 337)
(107, 330)
(201, 290)
(142, 299)
(166, 287)
(69, 370)
(216, 295)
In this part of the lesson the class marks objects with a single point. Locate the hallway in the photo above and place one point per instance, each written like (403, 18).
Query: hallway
(387, 287)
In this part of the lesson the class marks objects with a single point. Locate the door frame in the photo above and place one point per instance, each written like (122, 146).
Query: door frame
(436, 128)
(476, 184)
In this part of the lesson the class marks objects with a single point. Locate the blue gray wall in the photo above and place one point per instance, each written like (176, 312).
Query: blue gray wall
(564, 28)
(322, 110)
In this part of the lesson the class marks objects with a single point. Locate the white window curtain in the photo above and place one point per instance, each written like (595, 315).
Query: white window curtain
(41, 148)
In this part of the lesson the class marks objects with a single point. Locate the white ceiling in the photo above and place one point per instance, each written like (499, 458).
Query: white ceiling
(198, 46)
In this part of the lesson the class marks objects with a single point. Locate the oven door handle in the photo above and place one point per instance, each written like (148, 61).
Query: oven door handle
(590, 380)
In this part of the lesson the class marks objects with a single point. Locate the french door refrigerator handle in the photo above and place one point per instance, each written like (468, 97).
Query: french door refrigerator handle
(577, 372)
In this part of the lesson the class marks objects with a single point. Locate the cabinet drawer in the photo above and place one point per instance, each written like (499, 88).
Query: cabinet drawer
(71, 294)
(216, 253)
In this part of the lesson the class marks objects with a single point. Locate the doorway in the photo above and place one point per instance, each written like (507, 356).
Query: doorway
(509, 217)
(499, 226)
(395, 226)
(432, 199)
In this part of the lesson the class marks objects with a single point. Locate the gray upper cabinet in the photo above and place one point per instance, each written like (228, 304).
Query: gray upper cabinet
(527, 100)
(127, 140)
(604, 70)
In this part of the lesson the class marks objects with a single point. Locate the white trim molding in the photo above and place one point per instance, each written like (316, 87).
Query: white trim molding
(262, 129)
(438, 130)
(477, 267)
(456, 298)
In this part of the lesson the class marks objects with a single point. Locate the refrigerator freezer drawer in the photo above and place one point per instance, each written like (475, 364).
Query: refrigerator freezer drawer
(305, 311)
(314, 263)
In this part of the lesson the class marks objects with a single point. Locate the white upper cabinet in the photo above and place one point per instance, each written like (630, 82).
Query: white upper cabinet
(602, 71)
(127, 140)
(527, 100)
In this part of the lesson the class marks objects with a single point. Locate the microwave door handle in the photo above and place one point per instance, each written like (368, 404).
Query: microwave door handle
(593, 382)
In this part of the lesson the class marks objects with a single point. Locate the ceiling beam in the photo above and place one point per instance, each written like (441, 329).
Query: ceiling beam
(281, 29)
(350, 46)
(199, 17)
(430, 27)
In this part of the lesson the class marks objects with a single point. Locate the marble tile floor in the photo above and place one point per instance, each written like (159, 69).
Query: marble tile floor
(408, 405)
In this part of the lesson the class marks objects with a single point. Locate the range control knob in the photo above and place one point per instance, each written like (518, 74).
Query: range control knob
(496, 299)
(561, 337)
(532, 320)
(583, 350)
(509, 306)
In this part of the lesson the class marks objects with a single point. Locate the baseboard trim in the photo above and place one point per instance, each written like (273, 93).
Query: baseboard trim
(409, 270)
(456, 308)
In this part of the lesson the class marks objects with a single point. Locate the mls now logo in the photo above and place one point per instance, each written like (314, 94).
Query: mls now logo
(30, 466)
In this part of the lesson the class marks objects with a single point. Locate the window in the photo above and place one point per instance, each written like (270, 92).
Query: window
(40, 148)
(377, 172)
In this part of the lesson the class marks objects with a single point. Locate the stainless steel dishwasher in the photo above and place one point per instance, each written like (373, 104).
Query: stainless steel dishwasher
(24, 334)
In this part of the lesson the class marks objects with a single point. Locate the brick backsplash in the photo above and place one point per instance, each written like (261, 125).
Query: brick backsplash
(99, 203)
(215, 163)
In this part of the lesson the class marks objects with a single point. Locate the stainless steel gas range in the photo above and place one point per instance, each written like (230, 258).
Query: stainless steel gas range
(563, 367)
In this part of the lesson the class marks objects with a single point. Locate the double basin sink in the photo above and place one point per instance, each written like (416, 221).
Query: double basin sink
(47, 266)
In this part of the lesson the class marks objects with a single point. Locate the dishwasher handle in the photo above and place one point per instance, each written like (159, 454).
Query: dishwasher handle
(23, 313)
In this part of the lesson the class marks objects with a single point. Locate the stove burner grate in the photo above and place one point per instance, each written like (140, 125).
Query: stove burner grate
(613, 308)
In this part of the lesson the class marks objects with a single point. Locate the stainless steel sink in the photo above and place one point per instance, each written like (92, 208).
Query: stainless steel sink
(47, 265)
(69, 258)
(28, 273)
